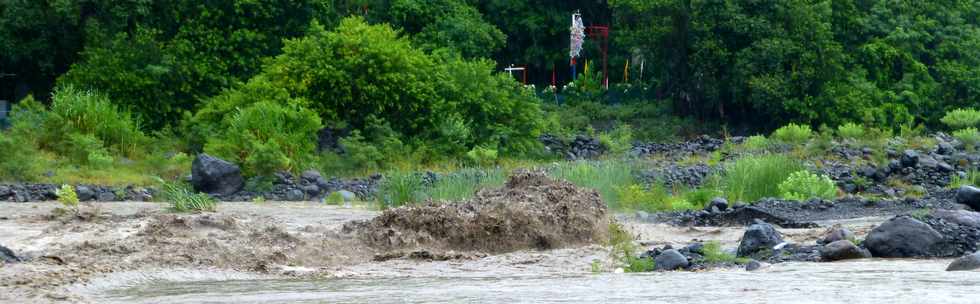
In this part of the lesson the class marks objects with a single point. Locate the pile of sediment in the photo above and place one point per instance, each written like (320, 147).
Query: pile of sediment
(531, 211)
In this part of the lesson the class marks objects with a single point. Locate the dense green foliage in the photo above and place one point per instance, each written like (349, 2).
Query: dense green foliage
(419, 81)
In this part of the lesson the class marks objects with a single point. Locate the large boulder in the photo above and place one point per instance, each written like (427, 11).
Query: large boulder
(970, 196)
(966, 262)
(7, 255)
(842, 250)
(903, 237)
(670, 260)
(759, 237)
(215, 176)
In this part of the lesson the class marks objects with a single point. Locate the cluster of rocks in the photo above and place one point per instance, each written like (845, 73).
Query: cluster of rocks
(676, 175)
(701, 144)
(926, 170)
(48, 192)
(580, 147)
(224, 180)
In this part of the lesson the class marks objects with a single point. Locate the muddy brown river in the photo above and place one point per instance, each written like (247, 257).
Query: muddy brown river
(870, 281)
(116, 266)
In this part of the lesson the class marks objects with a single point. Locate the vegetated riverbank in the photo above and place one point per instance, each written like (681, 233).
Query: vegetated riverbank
(310, 240)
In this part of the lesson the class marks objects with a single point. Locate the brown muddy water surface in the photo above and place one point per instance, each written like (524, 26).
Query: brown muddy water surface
(118, 260)
(870, 281)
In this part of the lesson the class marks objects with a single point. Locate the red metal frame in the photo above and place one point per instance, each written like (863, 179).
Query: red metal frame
(601, 32)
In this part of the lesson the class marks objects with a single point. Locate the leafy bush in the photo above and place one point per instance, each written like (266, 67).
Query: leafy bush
(752, 178)
(851, 131)
(266, 137)
(756, 143)
(803, 185)
(481, 156)
(619, 140)
(335, 198)
(969, 136)
(21, 160)
(962, 118)
(87, 150)
(68, 198)
(713, 253)
(793, 134)
(183, 199)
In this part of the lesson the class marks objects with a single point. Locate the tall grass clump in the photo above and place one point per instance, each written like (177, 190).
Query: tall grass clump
(755, 177)
(793, 134)
(970, 137)
(183, 199)
(714, 254)
(464, 183)
(606, 177)
(399, 188)
(74, 111)
(972, 178)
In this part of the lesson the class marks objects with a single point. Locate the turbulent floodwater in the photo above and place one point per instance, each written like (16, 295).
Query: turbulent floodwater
(866, 281)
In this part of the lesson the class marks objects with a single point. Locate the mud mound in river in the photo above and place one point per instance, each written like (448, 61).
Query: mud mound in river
(530, 211)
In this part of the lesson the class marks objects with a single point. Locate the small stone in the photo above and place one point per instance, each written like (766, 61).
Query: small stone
(753, 265)
(836, 233)
(7, 255)
(910, 158)
(84, 193)
(842, 250)
(106, 196)
(295, 195)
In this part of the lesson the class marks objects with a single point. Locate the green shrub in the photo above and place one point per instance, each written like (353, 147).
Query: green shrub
(793, 134)
(755, 177)
(851, 131)
(183, 199)
(266, 137)
(803, 185)
(21, 161)
(335, 198)
(714, 254)
(969, 136)
(68, 198)
(481, 156)
(756, 143)
(606, 177)
(399, 188)
(619, 140)
(86, 149)
(962, 118)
